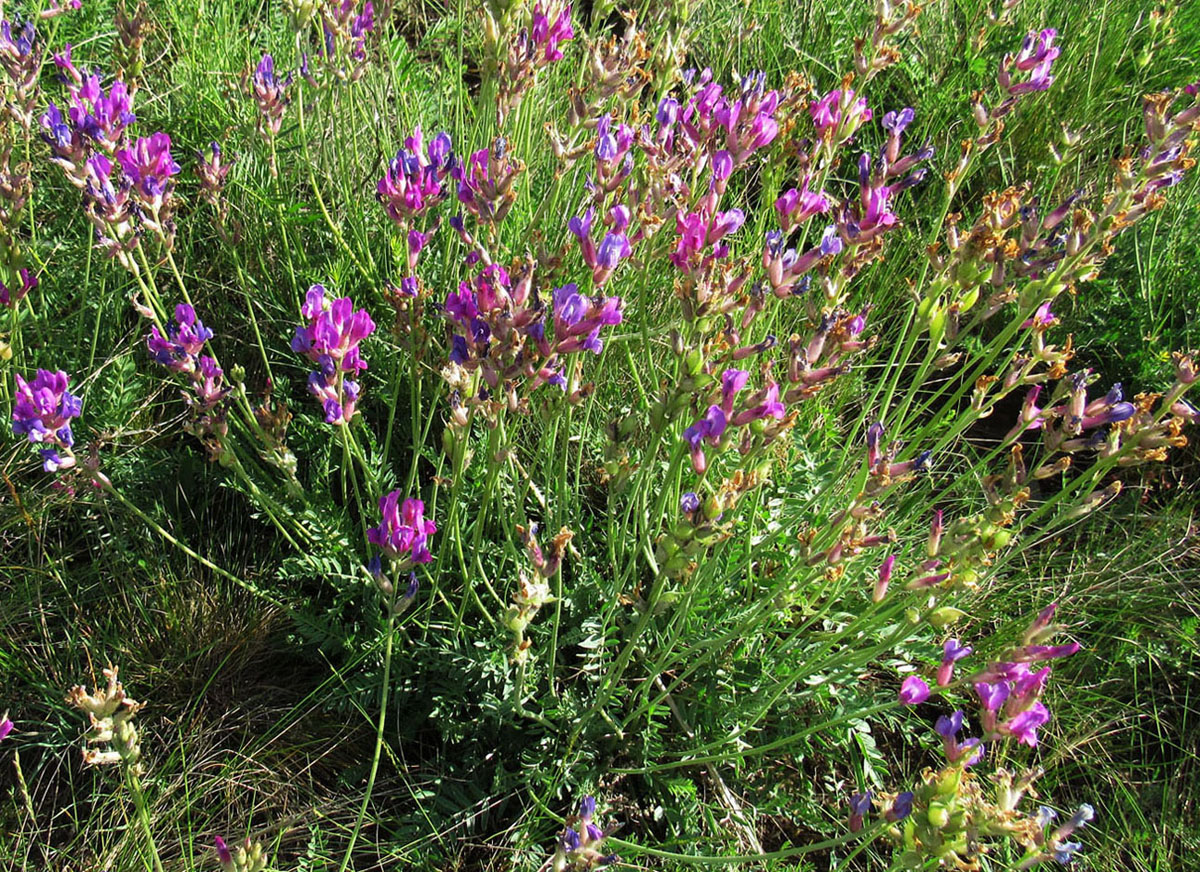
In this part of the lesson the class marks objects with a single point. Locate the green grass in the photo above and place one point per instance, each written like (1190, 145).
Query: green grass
(729, 719)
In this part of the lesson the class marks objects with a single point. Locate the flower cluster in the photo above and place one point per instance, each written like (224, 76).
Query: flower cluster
(403, 537)
(181, 351)
(21, 59)
(499, 330)
(602, 260)
(485, 184)
(579, 845)
(95, 119)
(722, 416)
(270, 93)
(342, 47)
(950, 813)
(212, 167)
(1037, 54)
(249, 856)
(148, 167)
(42, 412)
(413, 183)
(534, 47)
(331, 339)
(110, 712)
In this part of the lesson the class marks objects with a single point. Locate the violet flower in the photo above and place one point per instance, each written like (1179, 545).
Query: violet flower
(860, 807)
(6, 727)
(42, 412)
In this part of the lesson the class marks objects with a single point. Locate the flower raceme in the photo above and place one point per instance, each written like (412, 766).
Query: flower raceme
(180, 351)
(42, 412)
(499, 328)
(331, 340)
(403, 533)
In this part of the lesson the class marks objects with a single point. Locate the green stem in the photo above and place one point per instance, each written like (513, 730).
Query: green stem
(383, 701)
(139, 800)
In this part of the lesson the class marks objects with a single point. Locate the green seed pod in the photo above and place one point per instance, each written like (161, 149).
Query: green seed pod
(938, 815)
(945, 616)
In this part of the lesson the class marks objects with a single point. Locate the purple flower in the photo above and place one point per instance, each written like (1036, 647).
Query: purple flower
(100, 115)
(913, 691)
(270, 93)
(42, 412)
(180, 348)
(224, 855)
(546, 35)
(149, 166)
(1023, 727)
(6, 727)
(1035, 57)
(948, 726)
(992, 695)
(403, 533)
(611, 251)
(689, 503)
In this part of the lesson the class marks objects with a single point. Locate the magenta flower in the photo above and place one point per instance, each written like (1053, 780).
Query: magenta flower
(797, 206)
(403, 533)
(331, 340)
(42, 412)
(149, 167)
(224, 855)
(913, 691)
(102, 115)
(547, 34)
(839, 114)
(1035, 57)
(6, 727)
(1024, 726)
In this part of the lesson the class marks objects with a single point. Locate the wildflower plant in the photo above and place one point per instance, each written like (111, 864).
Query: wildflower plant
(792, 361)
